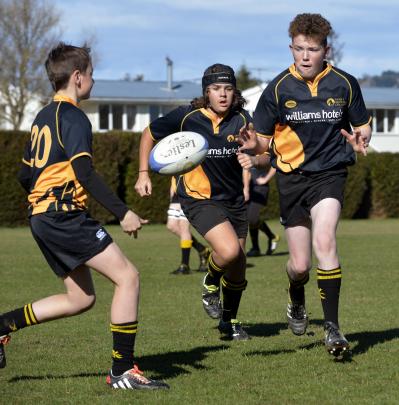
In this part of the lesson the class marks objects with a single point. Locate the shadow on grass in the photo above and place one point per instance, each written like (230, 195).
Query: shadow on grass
(360, 342)
(366, 340)
(265, 329)
(165, 365)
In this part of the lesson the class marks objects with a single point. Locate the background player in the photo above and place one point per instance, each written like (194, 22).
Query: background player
(307, 113)
(57, 173)
(178, 224)
(211, 195)
(256, 192)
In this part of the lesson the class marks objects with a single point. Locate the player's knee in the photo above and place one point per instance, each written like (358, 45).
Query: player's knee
(300, 266)
(230, 254)
(253, 222)
(324, 244)
(131, 277)
(173, 227)
(82, 303)
(89, 302)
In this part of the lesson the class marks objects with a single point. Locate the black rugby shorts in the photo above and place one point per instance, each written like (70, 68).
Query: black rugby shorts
(204, 215)
(68, 239)
(299, 192)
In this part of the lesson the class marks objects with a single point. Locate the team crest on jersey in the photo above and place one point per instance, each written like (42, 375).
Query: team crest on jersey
(290, 104)
(339, 102)
(231, 138)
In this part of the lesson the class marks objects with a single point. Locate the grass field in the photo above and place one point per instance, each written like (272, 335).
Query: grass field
(65, 362)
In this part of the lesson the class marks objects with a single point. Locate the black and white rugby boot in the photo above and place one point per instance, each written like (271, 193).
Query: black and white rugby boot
(134, 379)
(211, 300)
(297, 318)
(233, 330)
(335, 341)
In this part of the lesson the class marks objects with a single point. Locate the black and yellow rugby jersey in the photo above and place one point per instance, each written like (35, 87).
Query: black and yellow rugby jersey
(219, 177)
(304, 119)
(60, 133)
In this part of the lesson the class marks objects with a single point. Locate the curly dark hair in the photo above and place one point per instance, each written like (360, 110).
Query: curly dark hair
(310, 25)
(203, 101)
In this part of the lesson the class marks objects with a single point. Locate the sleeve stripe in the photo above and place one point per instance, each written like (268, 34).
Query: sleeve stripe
(28, 163)
(350, 86)
(151, 135)
(79, 155)
(58, 125)
(363, 125)
(276, 88)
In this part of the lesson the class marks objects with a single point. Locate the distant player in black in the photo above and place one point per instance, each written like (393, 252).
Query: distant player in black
(314, 116)
(256, 192)
(211, 195)
(178, 224)
(58, 174)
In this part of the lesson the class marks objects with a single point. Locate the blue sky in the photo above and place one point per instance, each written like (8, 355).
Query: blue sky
(135, 36)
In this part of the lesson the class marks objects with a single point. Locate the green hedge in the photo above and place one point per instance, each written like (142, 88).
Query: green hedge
(372, 188)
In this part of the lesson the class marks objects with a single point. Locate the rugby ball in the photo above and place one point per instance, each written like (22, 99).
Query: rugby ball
(178, 153)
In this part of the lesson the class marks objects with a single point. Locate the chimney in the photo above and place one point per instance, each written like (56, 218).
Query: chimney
(169, 76)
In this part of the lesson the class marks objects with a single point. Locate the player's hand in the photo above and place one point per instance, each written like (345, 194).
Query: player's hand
(246, 161)
(357, 141)
(143, 185)
(131, 223)
(247, 137)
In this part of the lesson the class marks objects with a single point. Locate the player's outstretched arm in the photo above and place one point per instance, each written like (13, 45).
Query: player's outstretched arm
(143, 184)
(249, 140)
(131, 223)
(247, 161)
(359, 138)
(265, 179)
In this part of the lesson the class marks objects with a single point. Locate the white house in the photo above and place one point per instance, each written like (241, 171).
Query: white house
(131, 105)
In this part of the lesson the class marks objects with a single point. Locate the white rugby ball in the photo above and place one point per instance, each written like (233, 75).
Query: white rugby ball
(178, 153)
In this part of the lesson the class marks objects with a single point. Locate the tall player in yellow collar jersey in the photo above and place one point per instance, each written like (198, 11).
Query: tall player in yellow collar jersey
(313, 118)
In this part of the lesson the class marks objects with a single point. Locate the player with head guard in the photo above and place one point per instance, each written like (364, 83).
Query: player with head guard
(211, 195)
(178, 224)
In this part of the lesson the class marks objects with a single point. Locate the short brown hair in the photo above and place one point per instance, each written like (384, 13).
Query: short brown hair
(63, 60)
(310, 25)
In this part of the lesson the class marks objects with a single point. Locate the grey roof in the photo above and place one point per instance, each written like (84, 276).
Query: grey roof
(145, 91)
(185, 91)
(379, 97)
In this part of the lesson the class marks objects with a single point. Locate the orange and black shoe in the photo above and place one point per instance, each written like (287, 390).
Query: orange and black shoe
(134, 379)
(3, 341)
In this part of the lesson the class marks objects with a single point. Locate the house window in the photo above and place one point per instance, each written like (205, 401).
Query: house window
(379, 117)
(154, 112)
(391, 114)
(104, 116)
(131, 111)
(117, 115)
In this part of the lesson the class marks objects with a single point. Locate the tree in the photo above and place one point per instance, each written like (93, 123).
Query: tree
(335, 54)
(27, 32)
(245, 79)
